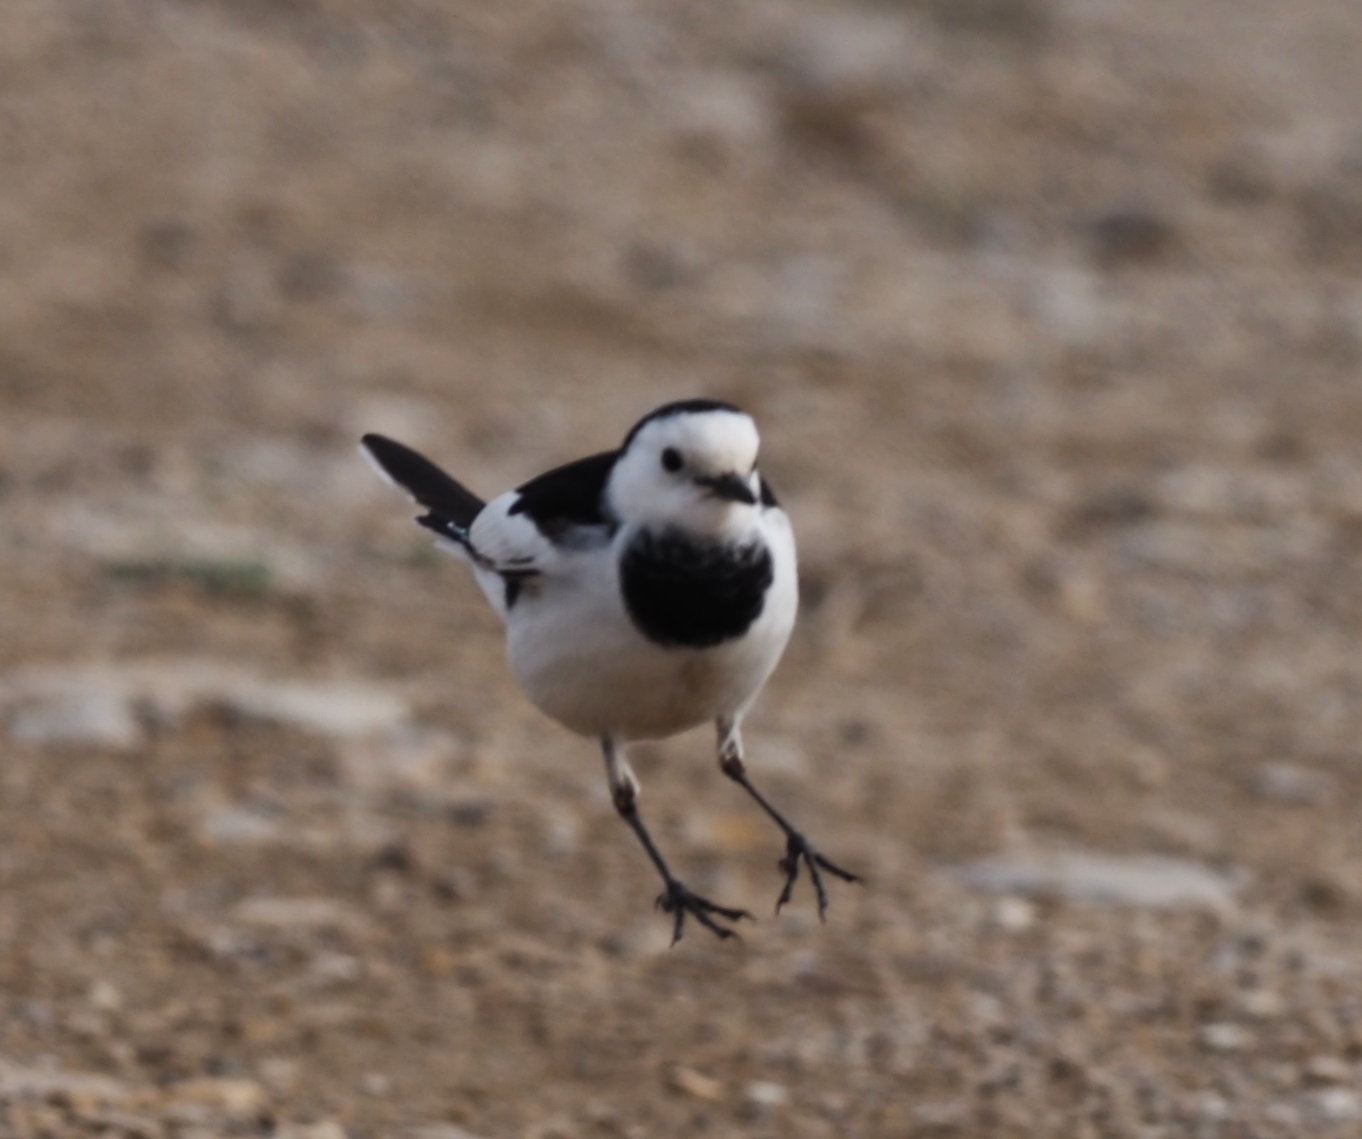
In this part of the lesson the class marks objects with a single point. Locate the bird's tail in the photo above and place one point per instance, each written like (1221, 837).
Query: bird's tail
(451, 506)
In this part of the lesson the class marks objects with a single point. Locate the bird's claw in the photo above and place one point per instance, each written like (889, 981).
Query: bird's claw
(678, 899)
(798, 849)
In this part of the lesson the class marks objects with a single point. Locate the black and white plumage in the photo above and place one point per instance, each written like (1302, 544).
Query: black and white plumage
(645, 591)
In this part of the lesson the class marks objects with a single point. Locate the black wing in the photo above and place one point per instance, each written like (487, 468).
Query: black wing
(448, 501)
(568, 497)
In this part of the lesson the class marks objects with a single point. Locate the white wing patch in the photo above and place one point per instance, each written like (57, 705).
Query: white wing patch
(510, 543)
(510, 555)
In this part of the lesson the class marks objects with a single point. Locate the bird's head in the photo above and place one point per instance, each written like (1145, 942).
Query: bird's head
(692, 465)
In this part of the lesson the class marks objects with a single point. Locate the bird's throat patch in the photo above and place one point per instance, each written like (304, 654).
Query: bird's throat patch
(688, 592)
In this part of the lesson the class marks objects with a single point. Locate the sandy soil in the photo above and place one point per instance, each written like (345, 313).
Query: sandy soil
(1050, 313)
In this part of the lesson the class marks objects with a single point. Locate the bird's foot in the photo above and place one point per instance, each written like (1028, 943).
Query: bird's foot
(798, 849)
(678, 899)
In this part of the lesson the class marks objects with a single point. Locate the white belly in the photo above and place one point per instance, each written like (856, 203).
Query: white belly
(582, 662)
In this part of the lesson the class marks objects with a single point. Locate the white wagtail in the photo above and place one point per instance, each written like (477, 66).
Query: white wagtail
(645, 591)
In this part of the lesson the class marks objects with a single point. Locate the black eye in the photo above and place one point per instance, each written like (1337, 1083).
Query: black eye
(671, 459)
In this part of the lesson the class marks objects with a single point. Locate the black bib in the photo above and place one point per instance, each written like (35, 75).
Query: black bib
(689, 592)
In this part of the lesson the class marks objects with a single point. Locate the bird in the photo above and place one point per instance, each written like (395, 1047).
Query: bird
(645, 591)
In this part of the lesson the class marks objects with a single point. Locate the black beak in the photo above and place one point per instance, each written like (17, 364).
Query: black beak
(730, 487)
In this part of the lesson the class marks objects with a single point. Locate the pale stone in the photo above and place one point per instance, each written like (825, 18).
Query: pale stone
(93, 715)
(766, 1094)
(696, 1084)
(234, 1098)
(1141, 880)
(1226, 1037)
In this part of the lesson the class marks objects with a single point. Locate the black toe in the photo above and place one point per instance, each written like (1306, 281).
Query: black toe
(680, 900)
(799, 850)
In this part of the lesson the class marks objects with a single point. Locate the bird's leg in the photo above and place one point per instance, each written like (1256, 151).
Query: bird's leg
(797, 848)
(676, 898)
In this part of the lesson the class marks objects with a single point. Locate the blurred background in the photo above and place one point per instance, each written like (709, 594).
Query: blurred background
(1050, 314)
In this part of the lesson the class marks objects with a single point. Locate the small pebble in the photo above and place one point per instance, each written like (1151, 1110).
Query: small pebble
(296, 913)
(696, 1084)
(105, 996)
(326, 1129)
(1262, 1004)
(236, 1099)
(1328, 1070)
(375, 1084)
(279, 1074)
(1292, 784)
(943, 1115)
(1337, 1105)
(766, 1094)
(329, 968)
(1139, 880)
(238, 826)
(441, 1131)
(1212, 1107)
(95, 717)
(1226, 1037)
(1015, 915)
(1283, 1114)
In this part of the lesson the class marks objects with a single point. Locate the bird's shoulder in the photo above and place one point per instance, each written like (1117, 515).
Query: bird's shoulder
(527, 530)
(568, 498)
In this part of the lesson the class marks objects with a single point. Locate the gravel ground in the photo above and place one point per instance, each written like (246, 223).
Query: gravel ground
(1051, 315)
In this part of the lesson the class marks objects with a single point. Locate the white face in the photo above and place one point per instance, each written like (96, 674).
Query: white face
(696, 470)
